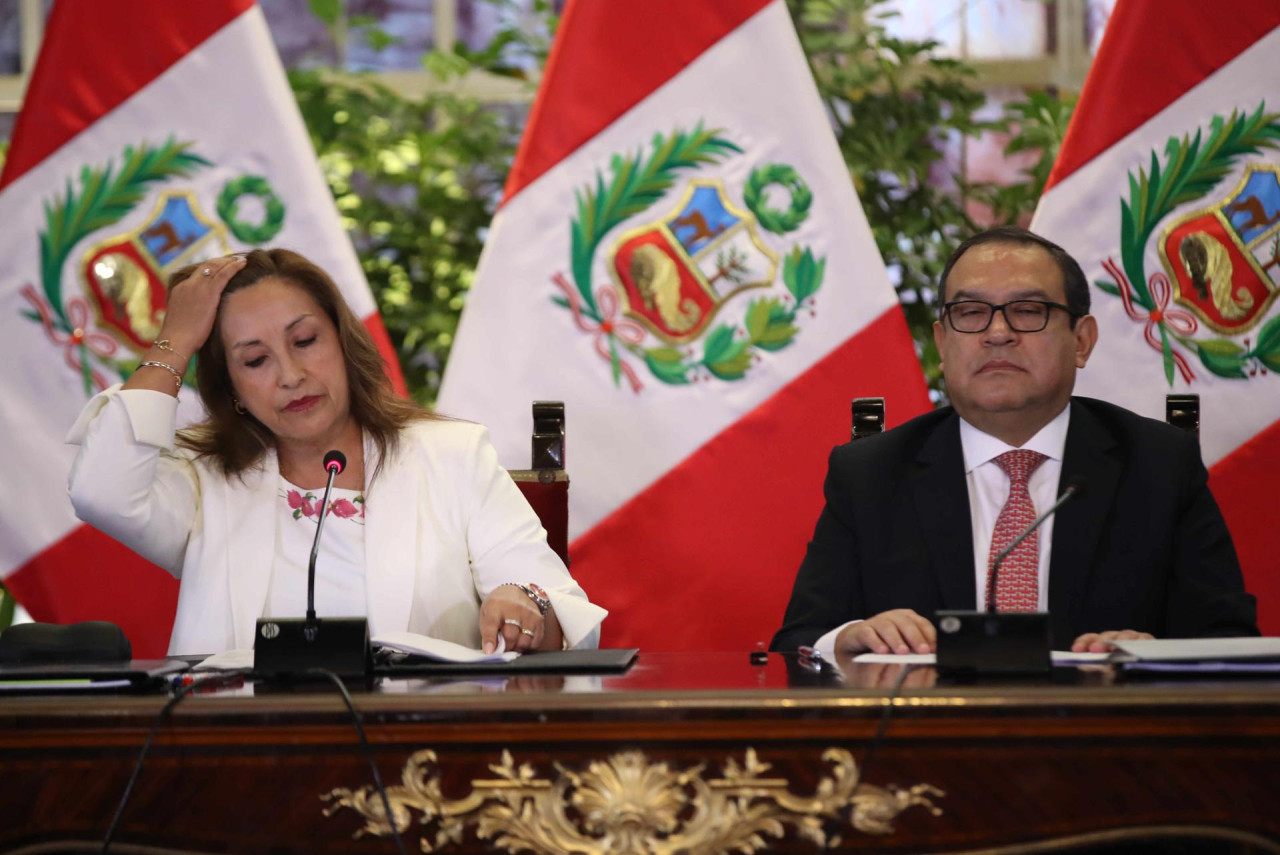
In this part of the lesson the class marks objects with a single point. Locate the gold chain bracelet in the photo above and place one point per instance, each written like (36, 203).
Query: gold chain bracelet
(177, 375)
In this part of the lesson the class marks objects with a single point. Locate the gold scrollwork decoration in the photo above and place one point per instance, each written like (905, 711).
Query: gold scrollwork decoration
(629, 804)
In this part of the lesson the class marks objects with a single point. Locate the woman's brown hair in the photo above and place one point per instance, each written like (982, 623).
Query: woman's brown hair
(237, 441)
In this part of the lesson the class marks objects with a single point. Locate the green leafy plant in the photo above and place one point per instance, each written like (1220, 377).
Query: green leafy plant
(416, 183)
(894, 103)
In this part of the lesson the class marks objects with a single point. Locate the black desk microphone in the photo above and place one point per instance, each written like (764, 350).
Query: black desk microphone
(291, 647)
(992, 643)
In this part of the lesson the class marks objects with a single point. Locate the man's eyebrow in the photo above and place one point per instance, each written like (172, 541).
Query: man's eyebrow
(1025, 294)
(293, 323)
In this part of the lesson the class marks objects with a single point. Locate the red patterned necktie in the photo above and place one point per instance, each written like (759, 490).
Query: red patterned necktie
(1017, 586)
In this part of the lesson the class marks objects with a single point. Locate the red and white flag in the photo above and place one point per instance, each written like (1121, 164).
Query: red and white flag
(1167, 190)
(153, 134)
(681, 258)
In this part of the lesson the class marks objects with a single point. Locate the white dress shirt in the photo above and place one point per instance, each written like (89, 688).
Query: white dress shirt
(988, 490)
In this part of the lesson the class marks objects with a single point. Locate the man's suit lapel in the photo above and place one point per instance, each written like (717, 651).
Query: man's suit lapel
(942, 501)
(1090, 458)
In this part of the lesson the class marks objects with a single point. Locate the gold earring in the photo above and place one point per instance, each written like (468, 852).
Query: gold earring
(239, 409)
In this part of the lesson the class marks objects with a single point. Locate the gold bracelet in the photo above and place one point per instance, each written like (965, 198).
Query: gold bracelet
(177, 375)
(165, 344)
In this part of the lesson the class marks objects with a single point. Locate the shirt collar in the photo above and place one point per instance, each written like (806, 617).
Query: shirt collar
(980, 448)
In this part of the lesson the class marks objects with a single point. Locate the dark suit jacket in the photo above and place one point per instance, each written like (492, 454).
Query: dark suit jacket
(1143, 547)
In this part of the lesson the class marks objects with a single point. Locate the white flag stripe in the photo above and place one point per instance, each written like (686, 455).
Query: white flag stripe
(244, 120)
(514, 344)
(1236, 411)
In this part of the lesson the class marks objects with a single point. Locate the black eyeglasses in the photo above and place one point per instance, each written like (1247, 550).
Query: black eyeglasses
(974, 316)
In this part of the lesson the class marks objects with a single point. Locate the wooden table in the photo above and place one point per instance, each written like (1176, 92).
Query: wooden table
(687, 752)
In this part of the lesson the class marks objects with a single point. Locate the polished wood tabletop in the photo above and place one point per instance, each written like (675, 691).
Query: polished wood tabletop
(684, 752)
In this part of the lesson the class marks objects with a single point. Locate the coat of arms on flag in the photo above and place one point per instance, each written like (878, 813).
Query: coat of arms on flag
(1221, 257)
(123, 273)
(675, 270)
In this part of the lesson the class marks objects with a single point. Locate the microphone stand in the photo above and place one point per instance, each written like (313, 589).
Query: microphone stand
(311, 626)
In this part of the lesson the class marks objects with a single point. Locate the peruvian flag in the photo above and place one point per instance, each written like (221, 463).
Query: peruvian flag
(153, 134)
(681, 258)
(1167, 190)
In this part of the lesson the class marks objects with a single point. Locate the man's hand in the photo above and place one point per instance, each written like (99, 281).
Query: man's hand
(896, 631)
(1100, 642)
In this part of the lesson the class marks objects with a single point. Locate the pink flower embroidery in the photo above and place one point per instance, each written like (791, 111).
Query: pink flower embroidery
(343, 508)
(308, 505)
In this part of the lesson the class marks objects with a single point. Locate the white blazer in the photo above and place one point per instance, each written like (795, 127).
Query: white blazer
(444, 526)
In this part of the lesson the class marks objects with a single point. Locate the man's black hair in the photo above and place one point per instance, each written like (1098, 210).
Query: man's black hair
(1073, 281)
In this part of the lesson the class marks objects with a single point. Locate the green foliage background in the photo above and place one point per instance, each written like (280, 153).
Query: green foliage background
(417, 181)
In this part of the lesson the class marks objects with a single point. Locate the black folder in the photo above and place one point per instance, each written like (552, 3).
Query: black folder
(604, 661)
(133, 676)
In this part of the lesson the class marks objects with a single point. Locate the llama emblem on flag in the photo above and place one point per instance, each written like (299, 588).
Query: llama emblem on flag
(123, 274)
(1221, 260)
(676, 273)
(671, 276)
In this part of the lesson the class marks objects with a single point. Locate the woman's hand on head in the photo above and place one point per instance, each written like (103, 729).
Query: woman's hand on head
(508, 612)
(192, 304)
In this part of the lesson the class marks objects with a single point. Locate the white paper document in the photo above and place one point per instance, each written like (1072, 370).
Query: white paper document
(1199, 649)
(1060, 657)
(440, 650)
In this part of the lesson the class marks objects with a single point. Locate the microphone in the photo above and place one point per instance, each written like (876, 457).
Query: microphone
(334, 462)
(300, 648)
(1074, 488)
(988, 643)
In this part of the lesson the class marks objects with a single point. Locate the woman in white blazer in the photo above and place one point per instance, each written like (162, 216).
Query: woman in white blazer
(425, 531)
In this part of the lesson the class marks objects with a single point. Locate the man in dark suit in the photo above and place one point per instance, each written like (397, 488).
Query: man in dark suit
(915, 516)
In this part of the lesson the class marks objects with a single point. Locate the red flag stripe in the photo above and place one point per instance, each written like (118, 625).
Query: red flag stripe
(677, 548)
(589, 83)
(89, 576)
(1136, 73)
(81, 75)
(379, 333)
(1241, 483)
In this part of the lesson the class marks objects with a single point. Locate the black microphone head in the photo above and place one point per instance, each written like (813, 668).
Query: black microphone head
(335, 461)
(1078, 485)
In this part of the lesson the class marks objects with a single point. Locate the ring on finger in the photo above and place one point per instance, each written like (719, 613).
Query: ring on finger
(514, 622)
(527, 632)
(208, 271)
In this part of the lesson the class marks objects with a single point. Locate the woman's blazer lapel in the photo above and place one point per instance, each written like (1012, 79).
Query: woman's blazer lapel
(391, 533)
(251, 521)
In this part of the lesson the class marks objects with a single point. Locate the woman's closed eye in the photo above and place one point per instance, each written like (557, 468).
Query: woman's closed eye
(255, 362)
(306, 342)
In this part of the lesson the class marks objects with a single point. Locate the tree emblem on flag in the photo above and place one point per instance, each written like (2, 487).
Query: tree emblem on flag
(671, 276)
(123, 274)
(1221, 260)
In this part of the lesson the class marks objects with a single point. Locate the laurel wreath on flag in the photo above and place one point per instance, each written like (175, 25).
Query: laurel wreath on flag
(1191, 169)
(638, 182)
(272, 209)
(104, 198)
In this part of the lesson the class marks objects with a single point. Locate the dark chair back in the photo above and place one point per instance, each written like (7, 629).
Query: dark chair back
(868, 417)
(1183, 411)
(546, 483)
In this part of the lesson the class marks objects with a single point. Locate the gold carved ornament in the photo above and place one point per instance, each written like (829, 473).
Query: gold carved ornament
(631, 805)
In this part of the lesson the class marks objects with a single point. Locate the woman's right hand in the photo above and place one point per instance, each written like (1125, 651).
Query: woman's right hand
(188, 321)
(192, 304)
